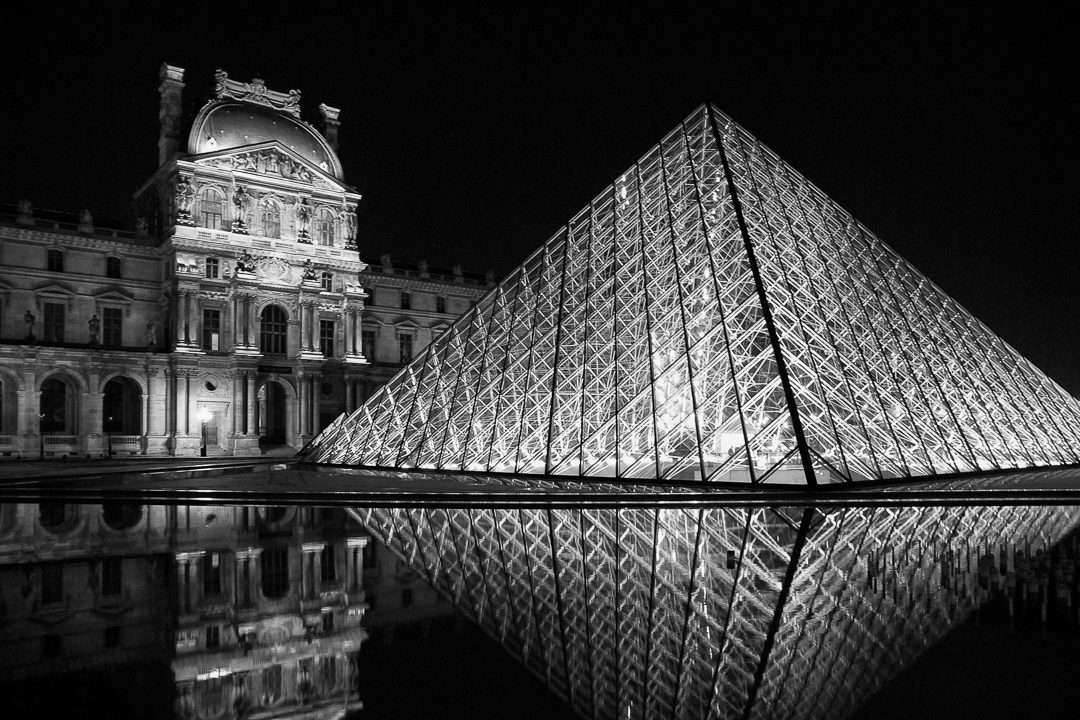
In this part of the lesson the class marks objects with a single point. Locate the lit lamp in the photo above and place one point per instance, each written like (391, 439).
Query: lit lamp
(204, 417)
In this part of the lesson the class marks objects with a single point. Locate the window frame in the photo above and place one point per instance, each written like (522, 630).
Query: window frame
(210, 198)
(54, 260)
(206, 339)
(324, 227)
(112, 327)
(274, 334)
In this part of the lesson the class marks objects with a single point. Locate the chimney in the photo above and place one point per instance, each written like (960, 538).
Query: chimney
(330, 124)
(171, 89)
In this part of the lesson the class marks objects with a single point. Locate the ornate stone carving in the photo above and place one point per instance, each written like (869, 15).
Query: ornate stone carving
(303, 221)
(348, 222)
(185, 196)
(246, 262)
(309, 272)
(242, 202)
(256, 92)
(274, 268)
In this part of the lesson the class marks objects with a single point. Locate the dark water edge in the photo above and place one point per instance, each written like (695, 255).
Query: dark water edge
(982, 670)
(985, 670)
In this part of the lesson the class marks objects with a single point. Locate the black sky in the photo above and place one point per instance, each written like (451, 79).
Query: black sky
(474, 135)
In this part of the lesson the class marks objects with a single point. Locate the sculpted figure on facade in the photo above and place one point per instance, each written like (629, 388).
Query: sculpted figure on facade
(303, 221)
(185, 197)
(246, 262)
(29, 319)
(348, 221)
(309, 270)
(94, 325)
(242, 204)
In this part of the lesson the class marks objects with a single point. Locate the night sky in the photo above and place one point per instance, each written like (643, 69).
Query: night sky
(474, 136)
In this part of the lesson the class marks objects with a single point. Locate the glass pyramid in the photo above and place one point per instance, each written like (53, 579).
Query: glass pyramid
(713, 316)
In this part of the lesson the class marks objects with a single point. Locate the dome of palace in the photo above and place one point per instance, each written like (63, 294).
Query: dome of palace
(229, 124)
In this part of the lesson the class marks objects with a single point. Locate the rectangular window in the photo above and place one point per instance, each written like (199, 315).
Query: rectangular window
(212, 210)
(112, 327)
(370, 560)
(367, 341)
(326, 337)
(211, 330)
(324, 229)
(213, 637)
(440, 304)
(271, 221)
(405, 348)
(328, 622)
(54, 322)
(112, 267)
(328, 281)
(406, 300)
(112, 579)
(211, 573)
(56, 261)
(213, 268)
(328, 567)
(52, 583)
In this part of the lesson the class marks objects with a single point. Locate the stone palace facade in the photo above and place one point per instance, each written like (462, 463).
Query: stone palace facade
(237, 318)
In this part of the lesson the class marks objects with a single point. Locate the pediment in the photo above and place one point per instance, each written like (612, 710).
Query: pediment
(274, 160)
(114, 294)
(55, 290)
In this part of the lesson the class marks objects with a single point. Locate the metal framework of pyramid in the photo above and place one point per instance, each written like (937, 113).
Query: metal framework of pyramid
(713, 316)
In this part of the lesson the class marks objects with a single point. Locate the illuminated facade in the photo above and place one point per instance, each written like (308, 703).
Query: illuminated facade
(232, 320)
(712, 319)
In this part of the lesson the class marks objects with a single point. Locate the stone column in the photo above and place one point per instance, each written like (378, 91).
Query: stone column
(237, 405)
(253, 323)
(30, 405)
(181, 318)
(303, 326)
(302, 382)
(195, 319)
(250, 427)
(194, 426)
(182, 406)
(347, 332)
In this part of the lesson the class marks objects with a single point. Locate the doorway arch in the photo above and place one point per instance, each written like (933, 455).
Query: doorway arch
(59, 408)
(274, 414)
(122, 405)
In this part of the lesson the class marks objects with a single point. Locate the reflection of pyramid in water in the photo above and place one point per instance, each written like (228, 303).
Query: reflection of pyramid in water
(713, 315)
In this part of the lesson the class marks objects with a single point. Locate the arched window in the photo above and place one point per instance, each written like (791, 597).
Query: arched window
(324, 227)
(121, 407)
(56, 410)
(274, 326)
(270, 219)
(211, 209)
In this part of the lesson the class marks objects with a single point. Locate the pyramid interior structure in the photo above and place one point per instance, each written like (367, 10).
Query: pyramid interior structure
(713, 316)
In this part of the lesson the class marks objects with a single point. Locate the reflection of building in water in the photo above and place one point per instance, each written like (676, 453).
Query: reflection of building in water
(691, 613)
(256, 611)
